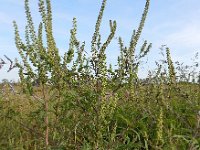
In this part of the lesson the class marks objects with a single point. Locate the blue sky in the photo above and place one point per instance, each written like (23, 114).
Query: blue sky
(172, 22)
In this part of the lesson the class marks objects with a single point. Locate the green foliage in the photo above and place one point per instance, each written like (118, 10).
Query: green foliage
(90, 105)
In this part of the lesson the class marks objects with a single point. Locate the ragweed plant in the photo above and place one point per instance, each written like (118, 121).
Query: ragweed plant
(77, 101)
(128, 62)
(160, 140)
(99, 66)
(172, 74)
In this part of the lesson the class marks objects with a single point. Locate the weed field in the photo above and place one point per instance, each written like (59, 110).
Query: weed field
(75, 102)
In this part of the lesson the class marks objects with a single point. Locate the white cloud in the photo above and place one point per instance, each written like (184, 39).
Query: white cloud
(188, 36)
(182, 37)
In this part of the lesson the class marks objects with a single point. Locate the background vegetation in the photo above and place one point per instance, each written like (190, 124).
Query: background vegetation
(79, 102)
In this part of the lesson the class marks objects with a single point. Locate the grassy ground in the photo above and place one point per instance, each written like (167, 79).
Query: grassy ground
(146, 120)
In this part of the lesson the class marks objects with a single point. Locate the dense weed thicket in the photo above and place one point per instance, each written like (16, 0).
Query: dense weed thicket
(80, 103)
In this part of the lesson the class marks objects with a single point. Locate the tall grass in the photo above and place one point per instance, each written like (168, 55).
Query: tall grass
(89, 105)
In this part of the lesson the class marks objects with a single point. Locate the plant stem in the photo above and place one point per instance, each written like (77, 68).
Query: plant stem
(46, 118)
